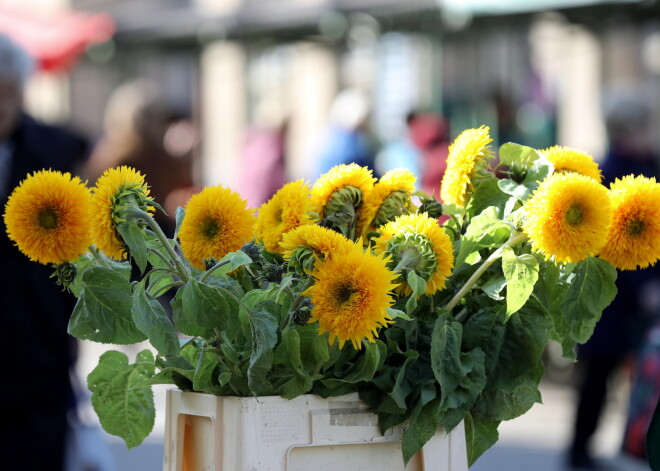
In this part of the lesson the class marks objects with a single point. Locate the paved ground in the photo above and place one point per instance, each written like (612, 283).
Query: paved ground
(534, 442)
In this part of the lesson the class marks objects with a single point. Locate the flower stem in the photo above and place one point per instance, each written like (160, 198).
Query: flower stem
(513, 240)
(136, 212)
(212, 269)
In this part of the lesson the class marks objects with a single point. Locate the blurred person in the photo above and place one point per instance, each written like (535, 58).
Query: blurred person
(422, 150)
(37, 392)
(618, 334)
(346, 139)
(142, 132)
(263, 159)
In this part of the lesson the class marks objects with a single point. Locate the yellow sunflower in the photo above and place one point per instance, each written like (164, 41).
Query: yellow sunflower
(416, 242)
(568, 216)
(634, 238)
(48, 217)
(217, 222)
(467, 154)
(338, 196)
(566, 159)
(111, 188)
(391, 197)
(287, 209)
(303, 245)
(351, 296)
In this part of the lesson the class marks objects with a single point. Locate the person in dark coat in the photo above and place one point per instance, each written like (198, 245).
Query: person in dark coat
(38, 354)
(620, 331)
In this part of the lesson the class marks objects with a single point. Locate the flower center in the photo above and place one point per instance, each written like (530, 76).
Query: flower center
(574, 216)
(211, 228)
(636, 228)
(48, 218)
(344, 292)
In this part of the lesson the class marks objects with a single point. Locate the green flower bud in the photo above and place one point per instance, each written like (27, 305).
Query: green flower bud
(65, 274)
(396, 204)
(412, 252)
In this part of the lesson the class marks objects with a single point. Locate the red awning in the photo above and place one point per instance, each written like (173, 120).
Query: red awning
(55, 40)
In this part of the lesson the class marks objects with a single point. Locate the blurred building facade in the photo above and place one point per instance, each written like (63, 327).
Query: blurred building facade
(534, 75)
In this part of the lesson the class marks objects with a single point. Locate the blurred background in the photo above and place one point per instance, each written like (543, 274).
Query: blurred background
(245, 92)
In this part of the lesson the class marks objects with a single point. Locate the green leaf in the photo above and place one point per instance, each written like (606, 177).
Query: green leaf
(135, 238)
(402, 387)
(397, 314)
(512, 154)
(288, 354)
(653, 439)
(512, 387)
(485, 329)
(494, 286)
(204, 306)
(461, 375)
(181, 321)
(416, 283)
(521, 273)
(485, 231)
(364, 369)
(422, 427)
(150, 317)
(479, 437)
(486, 193)
(591, 290)
(206, 374)
(180, 215)
(263, 325)
(103, 311)
(512, 188)
(124, 408)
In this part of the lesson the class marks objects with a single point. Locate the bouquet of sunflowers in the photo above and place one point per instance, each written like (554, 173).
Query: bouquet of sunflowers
(434, 313)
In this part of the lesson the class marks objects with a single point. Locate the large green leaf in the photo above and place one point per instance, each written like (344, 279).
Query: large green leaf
(592, 289)
(512, 387)
(487, 193)
(485, 231)
(288, 354)
(513, 154)
(103, 311)
(521, 273)
(479, 437)
(125, 406)
(462, 376)
(150, 317)
(263, 325)
(181, 321)
(423, 426)
(135, 238)
(485, 329)
(364, 369)
(204, 306)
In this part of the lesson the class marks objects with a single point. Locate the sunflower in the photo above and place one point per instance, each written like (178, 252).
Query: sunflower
(217, 222)
(303, 245)
(391, 197)
(351, 296)
(48, 217)
(416, 243)
(286, 210)
(112, 190)
(467, 154)
(566, 159)
(338, 196)
(568, 216)
(634, 238)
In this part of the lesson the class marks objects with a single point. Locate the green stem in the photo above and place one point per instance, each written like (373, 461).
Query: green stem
(167, 262)
(136, 212)
(467, 286)
(210, 271)
(297, 301)
(97, 256)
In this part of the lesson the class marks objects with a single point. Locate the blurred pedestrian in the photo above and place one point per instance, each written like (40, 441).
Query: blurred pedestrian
(263, 157)
(36, 391)
(619, 332)
(346, 139)
(143, 132)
